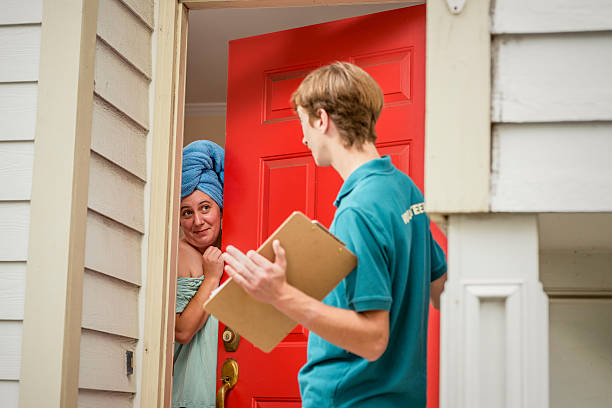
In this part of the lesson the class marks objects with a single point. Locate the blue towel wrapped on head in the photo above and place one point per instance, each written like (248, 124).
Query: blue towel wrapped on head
(203, 167)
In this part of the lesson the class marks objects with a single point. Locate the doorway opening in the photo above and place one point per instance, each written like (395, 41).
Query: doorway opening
(209, 31)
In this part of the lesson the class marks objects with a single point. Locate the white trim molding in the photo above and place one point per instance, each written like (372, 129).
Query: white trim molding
(205, 109)
(494, 317)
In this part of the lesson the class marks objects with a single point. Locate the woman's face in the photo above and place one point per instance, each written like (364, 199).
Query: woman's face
(200, 219)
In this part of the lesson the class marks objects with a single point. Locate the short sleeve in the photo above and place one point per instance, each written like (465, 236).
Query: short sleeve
(368, 286)
(438, 259)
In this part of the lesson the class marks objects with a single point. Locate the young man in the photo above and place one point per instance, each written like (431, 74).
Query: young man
(368, 338)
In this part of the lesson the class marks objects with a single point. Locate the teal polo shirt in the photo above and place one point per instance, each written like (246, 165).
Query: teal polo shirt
(380, 216)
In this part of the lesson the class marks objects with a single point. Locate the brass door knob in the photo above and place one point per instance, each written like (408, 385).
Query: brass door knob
(231, 339)
(229, 378)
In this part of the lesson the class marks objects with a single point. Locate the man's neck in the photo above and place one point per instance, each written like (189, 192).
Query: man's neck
(345, 161)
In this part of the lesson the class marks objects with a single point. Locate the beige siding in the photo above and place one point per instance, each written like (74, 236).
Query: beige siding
(118, 139)
(102, 366)
(102, 399)
(117, 202)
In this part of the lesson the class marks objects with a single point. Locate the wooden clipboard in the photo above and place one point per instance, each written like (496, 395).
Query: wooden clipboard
(316, 262)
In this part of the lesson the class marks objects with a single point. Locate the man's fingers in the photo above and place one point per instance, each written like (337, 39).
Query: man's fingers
(258, 259)
(238, 258)
(231, 272)
(279, 252)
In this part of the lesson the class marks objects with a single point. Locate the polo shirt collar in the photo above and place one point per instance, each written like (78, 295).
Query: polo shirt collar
(373, 166)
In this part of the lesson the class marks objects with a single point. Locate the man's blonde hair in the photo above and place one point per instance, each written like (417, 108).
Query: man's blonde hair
(349, 95)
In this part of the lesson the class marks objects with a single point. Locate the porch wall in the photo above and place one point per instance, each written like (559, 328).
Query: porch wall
(118, 196)
(20, 23)
(551, 138)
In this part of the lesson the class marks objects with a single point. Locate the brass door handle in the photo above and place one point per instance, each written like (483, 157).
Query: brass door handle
(229, 377)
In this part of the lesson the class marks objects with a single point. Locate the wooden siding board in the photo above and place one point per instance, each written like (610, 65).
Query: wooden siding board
(9, 390)
(10, 349)
(14, 231)
(19, 53)
(115, 193)
(549, 16)
(143, 9)
(16, 162)
(104, 237)
(117, 138)
(110, 305)
(18, 111)
(125, 33)
(12, 290)
(589, 232)
(121, 85)
(21, 12)
(552, 77)
(102, 365)
(552, 167)
(104, 399)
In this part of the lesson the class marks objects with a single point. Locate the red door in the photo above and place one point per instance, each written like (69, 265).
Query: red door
(269, 172)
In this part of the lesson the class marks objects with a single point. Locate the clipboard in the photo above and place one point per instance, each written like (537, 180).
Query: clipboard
(317, 262)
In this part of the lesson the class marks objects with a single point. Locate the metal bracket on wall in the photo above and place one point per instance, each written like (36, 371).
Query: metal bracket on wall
(455, 6)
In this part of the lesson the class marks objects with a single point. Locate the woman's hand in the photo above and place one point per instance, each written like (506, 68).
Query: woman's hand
(213, 263)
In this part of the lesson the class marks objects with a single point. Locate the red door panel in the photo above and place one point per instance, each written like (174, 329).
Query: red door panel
(269, 172)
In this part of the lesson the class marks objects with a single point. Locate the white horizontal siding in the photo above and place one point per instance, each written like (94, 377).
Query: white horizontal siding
(119, 27)
(103, 399)
(20, 31)
(19, 53)
(121, 85)
(110, 305)
(10, 349)
(103, 362)
(587, 232)
(552, 167)
(548, 16)
(576, 273)
(552, 77)
(115, 193)
(9, 392)
(580, 353)
(18, 111)
(119, 139)
(104, 237)
(21, 12)
(12, 290)
(14, 231)
(16, 162)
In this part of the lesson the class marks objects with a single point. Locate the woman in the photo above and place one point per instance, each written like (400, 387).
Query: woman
(199, 269)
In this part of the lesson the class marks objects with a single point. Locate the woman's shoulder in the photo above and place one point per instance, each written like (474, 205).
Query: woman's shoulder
(189, 261)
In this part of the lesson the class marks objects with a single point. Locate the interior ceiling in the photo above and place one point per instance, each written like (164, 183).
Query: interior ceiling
(210, 31)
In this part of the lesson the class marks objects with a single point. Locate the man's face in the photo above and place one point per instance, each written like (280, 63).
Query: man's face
(313, 139)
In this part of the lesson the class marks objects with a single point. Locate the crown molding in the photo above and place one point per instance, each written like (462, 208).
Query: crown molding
(205, 109)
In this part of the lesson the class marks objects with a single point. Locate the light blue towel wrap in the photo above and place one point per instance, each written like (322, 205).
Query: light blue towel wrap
(203, 169)
(195, 363)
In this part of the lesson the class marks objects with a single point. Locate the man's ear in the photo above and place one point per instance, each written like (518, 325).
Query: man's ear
(322, 122)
